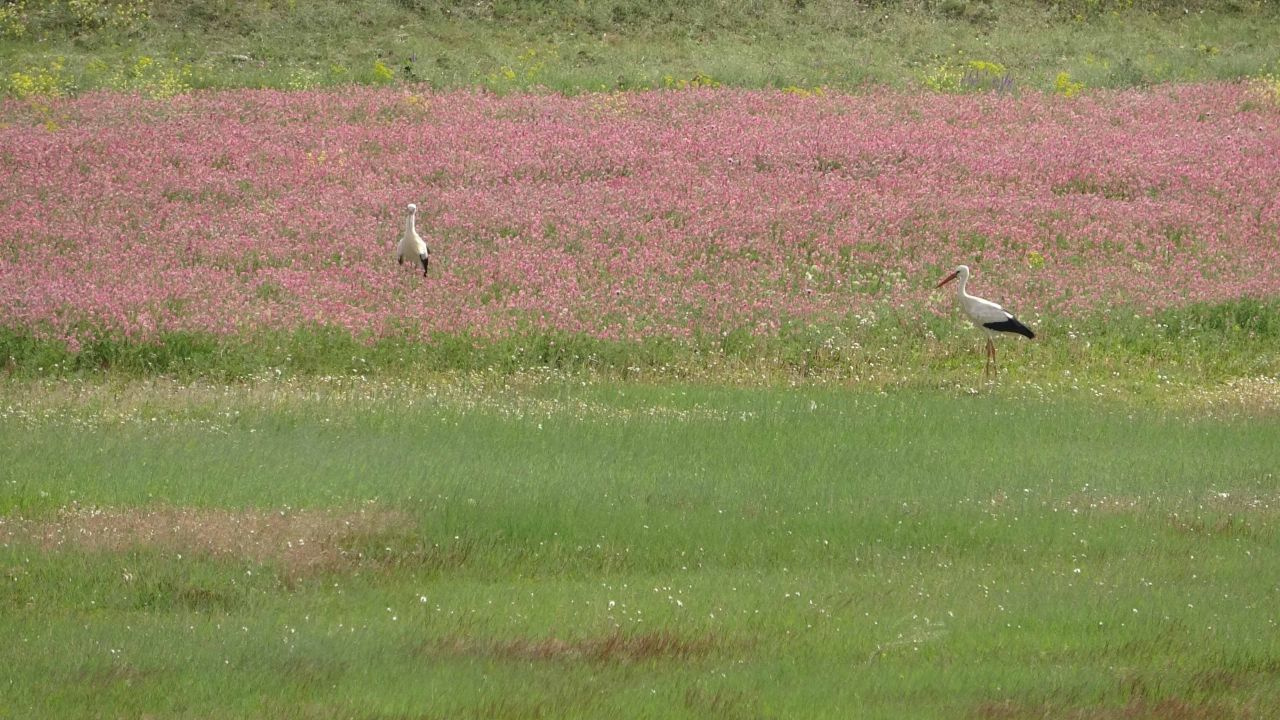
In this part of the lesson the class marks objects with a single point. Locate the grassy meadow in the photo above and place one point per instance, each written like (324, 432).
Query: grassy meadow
(545, 548)
(789, 492)
(572, 46)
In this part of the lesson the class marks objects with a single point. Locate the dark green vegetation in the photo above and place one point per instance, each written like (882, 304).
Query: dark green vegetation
(629, 551)
(569, 45)
(1194, 347)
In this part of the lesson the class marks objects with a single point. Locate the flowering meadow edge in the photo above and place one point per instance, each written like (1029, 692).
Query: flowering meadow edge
(1203, 342)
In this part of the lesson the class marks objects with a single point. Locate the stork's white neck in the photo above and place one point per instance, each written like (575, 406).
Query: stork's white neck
(408, 222)
(962, 280)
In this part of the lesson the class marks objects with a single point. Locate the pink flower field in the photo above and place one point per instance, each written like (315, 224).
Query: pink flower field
(624, 215)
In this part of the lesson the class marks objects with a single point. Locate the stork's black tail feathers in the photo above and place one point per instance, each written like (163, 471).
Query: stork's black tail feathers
(1010, 326)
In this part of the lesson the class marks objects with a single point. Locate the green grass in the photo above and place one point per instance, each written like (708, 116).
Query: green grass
(571, 46)
(812, 552)
(1168, 355)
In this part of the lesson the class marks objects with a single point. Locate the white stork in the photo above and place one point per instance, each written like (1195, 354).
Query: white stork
(988, 316)
(411, 243)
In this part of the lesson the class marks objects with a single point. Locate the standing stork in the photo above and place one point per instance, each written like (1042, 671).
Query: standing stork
(988, 316)
(411, 243)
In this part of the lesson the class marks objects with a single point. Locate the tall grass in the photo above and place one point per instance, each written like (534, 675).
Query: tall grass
(573, 46)
(1189, 348)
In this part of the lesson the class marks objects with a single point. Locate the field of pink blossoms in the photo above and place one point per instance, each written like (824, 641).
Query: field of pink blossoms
(624, 215)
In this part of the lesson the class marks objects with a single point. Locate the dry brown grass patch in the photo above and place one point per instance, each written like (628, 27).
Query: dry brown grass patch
(1167, 709)
(300, 540)
(614, 647)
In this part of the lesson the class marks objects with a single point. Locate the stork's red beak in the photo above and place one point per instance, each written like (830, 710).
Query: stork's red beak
(948, 278)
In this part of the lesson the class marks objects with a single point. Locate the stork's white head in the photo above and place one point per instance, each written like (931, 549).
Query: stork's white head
(411, 208)
(962, 272)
